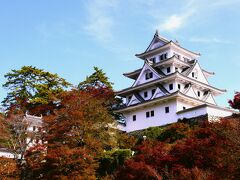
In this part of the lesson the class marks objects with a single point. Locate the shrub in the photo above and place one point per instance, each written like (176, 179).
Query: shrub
(153, 132)
(174, 132)
(111, 160)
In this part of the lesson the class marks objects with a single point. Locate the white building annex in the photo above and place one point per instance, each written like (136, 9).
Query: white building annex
(33, 125)
(170, 86)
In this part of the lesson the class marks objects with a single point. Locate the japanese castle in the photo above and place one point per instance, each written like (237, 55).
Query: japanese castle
(170, 86)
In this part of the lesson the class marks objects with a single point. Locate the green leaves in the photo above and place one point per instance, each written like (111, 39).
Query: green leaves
(30, 85)
(96, 80)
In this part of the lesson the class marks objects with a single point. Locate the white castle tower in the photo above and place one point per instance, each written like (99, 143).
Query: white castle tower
(170, 86)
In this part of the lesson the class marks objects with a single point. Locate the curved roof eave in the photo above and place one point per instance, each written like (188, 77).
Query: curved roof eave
(141, 55)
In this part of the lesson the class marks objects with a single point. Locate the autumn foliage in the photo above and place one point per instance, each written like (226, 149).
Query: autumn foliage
(81, 141)
(209, 151)
(235, 103)
(77, 133)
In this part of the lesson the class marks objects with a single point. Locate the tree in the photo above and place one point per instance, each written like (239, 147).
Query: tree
(77, 133)
(96, 80)
(209, 151)
(235, 103)
(31, 87)
(8, 169)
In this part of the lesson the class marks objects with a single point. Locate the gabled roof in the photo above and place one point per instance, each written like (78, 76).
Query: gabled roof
(132, 100)
(190, 91)
(156, 38)
(163, 89)
(160, 90)
(138, 97)
(162, 98)
(167, 45)
(170, 77)
(147, 66)
(135, 74)
(201, 74)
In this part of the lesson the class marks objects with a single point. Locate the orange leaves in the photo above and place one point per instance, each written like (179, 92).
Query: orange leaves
(209, 151)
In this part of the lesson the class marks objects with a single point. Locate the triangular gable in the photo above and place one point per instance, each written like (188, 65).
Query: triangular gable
(141, 78)
(133, 101)
(156, 42)
(158, 93)
(190, 92)
(198, 70)
(211, 100)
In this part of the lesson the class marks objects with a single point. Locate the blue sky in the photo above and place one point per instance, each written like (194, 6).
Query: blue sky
(70, 37)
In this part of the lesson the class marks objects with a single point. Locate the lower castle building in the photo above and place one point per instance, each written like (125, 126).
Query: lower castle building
(171, 85)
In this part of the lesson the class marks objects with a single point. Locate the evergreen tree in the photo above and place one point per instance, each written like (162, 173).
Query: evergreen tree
(31, 87)
(96, 80)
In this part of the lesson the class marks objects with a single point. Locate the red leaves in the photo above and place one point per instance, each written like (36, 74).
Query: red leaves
(235, 103)
(209, 151)
(77, 133)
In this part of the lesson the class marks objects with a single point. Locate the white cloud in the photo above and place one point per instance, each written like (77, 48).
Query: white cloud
(210, 40)
(99, 22)
(175, 21)
(100, 28)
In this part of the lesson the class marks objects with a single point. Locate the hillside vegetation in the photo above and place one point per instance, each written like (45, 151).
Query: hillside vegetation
(83, 142)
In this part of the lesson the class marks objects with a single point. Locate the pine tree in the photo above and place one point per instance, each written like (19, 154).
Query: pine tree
(96, 80)
(31, 87)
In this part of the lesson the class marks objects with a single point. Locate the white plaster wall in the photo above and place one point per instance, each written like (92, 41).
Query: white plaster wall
(191, 93)
(200, 75)
(164, 70)
(182, 86)
(6, 154)
(166, 86)
(193, 113)
(142, 79)
(157, 45)
(196, 92)
(149, 90)
(218, 112)
(160, 117)
(210, 100)
(181, 104)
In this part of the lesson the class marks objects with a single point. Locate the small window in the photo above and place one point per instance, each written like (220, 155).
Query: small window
(134, 117)
(168, 69)
(145, 94)
(147, 114)
(34, 128)
(205, 93)
(179, 86)
(187, 85)
(184, 107)
(193, 74)
(153, 60)
(198, 93)
(170, 86)
(153, 91)
(176, 69)
(166, 109)
(152, 113)
(129, 98)
(148, 75)
(163, 56)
